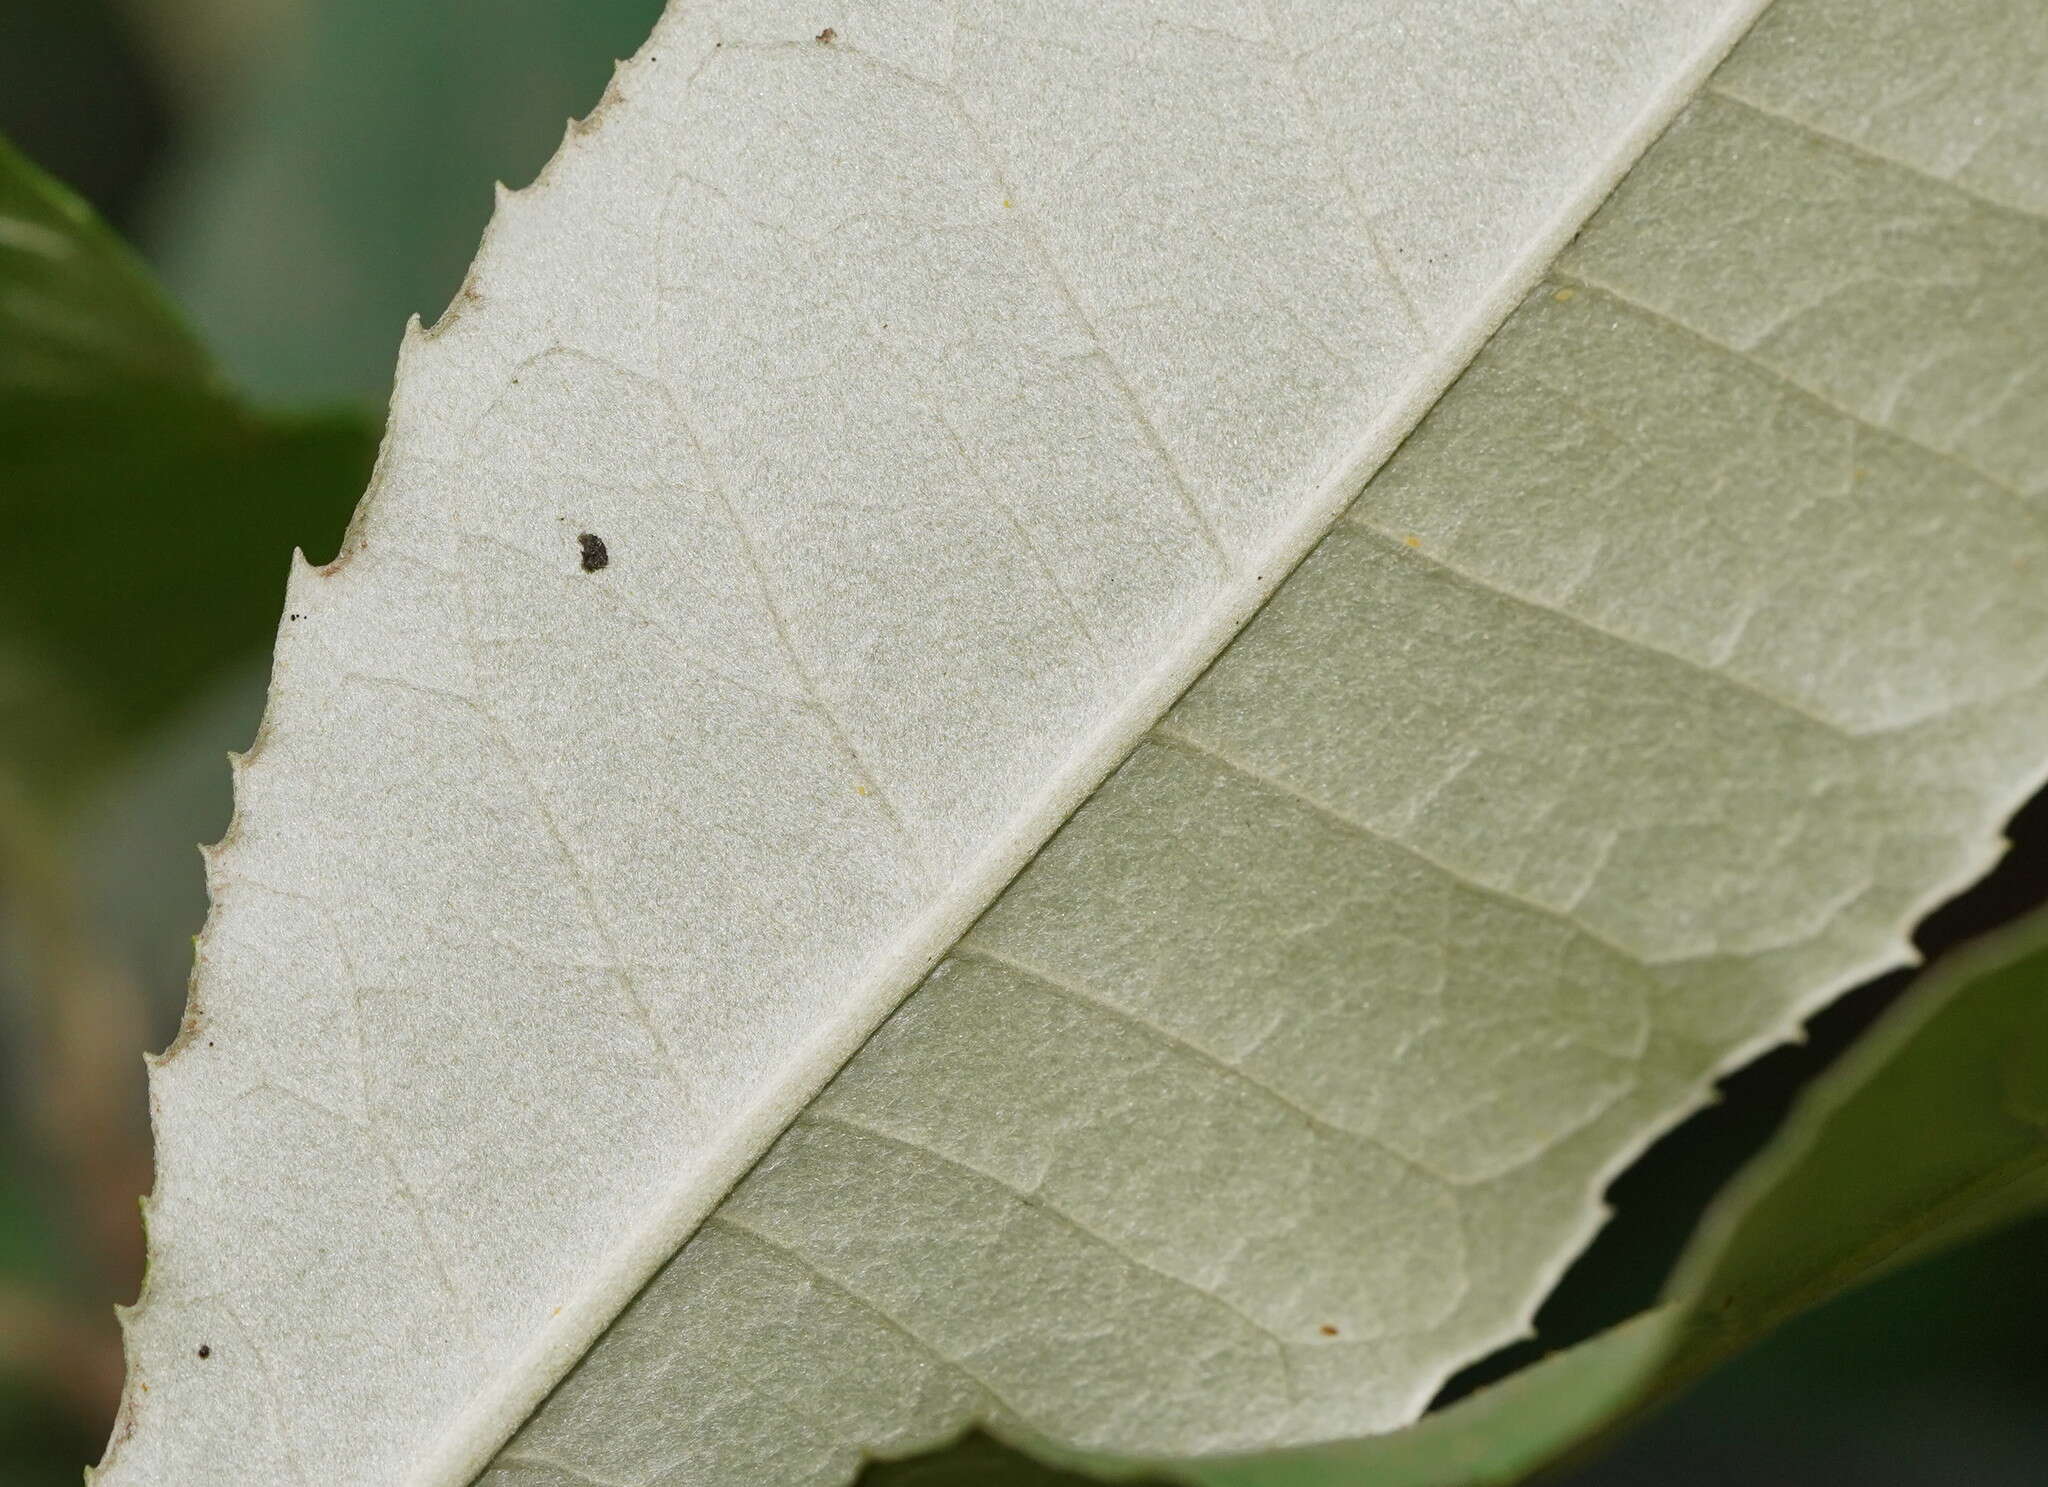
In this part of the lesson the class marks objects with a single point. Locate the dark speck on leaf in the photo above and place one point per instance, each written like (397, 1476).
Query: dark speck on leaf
(1327, 1330)
(594, 554)
(205, 1351)
(827, 36)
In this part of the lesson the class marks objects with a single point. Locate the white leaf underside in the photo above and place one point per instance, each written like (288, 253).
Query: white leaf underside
(946, 394)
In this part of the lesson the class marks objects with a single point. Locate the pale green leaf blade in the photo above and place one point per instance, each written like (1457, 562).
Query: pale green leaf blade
(945, 396)
(1643, 701)
(1930, 1131)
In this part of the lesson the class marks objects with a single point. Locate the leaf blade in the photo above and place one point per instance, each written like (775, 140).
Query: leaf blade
(1516, 775)
(428, 580)
(1902, 1149)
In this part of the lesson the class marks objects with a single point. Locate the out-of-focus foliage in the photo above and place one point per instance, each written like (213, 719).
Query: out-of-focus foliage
(78, 95)
(149, 510)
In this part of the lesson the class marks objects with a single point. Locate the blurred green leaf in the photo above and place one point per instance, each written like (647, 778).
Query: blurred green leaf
(150, 512)
(82, 317)
(31, 1245)
(1930, 1131)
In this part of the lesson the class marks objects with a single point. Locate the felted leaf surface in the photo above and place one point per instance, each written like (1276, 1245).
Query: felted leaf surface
(1930, 1131)
(946, 391)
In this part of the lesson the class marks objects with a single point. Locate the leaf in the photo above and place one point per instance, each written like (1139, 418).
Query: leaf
(1930, 1131)
(81, 311)
(148, 510)
(944, 398)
